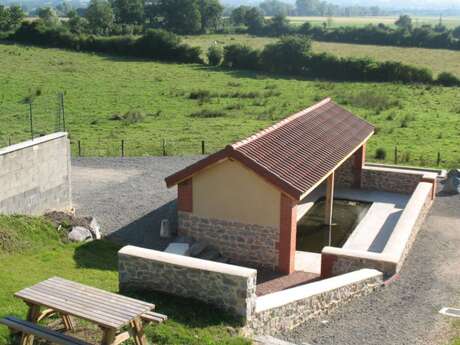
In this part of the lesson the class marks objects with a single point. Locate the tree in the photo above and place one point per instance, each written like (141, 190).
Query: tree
(456, 32)
(308, 7)
(180, 16)
(278, 26)
(100, 16)
(10, 18)
(128, 11)
(76, 23)
(238, 15)
(289, 54)
(48, 16)
(211, 14)
(404, 22)
(254, 20)
(215, 55)
(276, 7)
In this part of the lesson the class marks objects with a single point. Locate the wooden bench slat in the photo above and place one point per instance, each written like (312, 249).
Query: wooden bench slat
(41, 332)
(154, 317)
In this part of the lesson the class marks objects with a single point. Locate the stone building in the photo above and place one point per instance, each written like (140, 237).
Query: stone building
(243, 199)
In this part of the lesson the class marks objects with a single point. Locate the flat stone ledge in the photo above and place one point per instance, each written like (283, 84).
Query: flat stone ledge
(31, 143)
(186, 261)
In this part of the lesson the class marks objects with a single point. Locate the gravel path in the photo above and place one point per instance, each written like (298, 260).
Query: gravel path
(128, 196)
(406, 311)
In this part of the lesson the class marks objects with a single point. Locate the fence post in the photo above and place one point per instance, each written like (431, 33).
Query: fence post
(122, 148)
(396, 154)
(439, 158)
(9, 140)
(164, 147)
(202, 147)
(62, 110)
(79, 148)
(31, 121)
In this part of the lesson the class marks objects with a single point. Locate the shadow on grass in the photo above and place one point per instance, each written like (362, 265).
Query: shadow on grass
(101, 255)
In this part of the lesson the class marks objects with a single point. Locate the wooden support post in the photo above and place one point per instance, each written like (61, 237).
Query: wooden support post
(109, 336)
(139, 335)
(329, 199)
(32, 316)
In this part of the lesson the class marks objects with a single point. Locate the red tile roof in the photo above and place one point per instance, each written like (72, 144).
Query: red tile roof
(297, 153)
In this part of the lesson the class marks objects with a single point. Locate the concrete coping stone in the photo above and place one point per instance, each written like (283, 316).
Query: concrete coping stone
(435, 172)
(288, 296)
(186, 261)
(30, 143)
(403, 229)
(360, 254)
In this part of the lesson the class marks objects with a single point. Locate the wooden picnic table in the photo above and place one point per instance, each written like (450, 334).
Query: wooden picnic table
(110, 311)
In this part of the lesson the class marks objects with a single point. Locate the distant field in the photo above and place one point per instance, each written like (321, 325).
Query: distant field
(437, 60)
(450, 22)
(184, 104)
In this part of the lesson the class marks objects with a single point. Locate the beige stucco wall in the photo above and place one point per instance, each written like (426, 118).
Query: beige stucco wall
(230, 191)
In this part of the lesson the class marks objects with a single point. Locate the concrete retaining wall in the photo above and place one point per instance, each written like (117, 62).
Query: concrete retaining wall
(284, 310)
(229, 287)
(35, 176)
(337, 261)
(246, 244)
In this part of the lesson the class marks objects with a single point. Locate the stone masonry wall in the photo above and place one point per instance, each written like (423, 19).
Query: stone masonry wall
(344, 174)
(388, 180)
(300, 308)
(246, 244)
(35, 176)
(231, 288)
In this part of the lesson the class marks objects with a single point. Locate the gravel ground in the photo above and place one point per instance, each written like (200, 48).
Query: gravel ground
(128, 196)
(406, 311)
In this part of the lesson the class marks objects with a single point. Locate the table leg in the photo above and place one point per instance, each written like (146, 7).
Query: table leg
(109, 336)
(68, 322)
(139, 335)
(32, 316)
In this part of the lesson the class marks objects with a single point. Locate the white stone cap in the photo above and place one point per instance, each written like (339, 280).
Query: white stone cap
(186, 261)
(359, 254)
(30, 143)
(284, 297)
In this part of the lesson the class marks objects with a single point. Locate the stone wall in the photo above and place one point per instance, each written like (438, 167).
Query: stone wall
(337, 261)
(284, 310)
(391, 180)
(229, 287)
(344, 176)
(246, 244)
(35, 176)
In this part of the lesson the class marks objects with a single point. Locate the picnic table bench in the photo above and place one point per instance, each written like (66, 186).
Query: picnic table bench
(111, 312)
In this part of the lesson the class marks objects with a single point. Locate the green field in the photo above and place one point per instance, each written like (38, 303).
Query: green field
(450, 22)
(438, 60)
(184, 104)
(31, 251)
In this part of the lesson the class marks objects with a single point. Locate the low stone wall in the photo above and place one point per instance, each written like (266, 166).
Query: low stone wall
(284, 310)
(229, 287)
(256, 245)
(35, 176)
(335, 261)
(391, 179)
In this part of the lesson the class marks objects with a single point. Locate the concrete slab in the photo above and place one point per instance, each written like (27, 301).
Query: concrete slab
(178, 248)
(308, 262)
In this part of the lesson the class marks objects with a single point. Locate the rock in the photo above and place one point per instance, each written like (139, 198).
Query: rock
(80, 234)
(95, 229)
(184, 239)
(452, 183)
(165, 229)
(197, 248)
(178, 248)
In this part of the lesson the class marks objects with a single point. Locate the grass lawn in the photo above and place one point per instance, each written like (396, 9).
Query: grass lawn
(185, 104)
(31, 251)
(450, 22)
(438, 60)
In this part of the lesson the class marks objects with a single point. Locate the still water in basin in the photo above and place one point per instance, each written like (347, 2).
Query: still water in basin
(313, 234)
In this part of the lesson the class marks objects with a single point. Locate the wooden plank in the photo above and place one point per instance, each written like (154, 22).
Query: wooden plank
(41, 332)
(91, 303)
(139, 336)
(154, 317)
(109, 337)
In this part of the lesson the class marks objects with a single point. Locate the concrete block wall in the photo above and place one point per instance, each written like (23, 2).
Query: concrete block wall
(228, 287)
(35, 176)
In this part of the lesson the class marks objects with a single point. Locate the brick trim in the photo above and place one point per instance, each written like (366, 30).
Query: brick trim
(288, 233)
(185, 196)
(327, 265)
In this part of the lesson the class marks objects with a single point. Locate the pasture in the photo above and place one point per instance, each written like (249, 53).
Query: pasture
(450, 22)
(109, 99)
(438, 60)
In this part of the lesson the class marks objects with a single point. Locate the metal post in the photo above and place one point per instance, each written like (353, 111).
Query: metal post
(79, 148)
(31, 121)
(202, 147)
(122, 148)
(396, 154)
(164, 147)
(62, 110)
